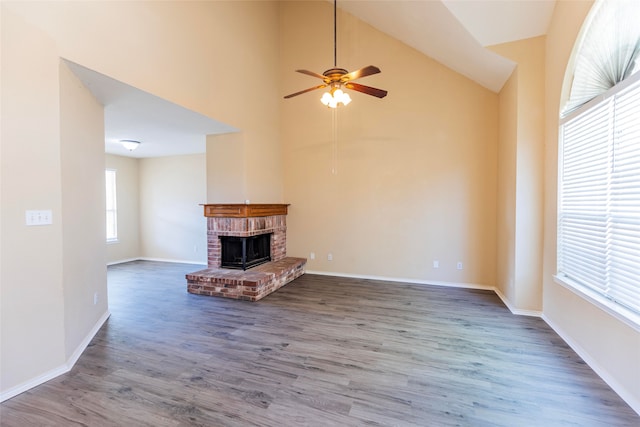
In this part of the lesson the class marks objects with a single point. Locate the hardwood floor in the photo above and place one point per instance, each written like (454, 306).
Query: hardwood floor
(322, 351)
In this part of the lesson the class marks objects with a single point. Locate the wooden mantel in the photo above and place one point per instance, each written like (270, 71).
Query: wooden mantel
(239, 210)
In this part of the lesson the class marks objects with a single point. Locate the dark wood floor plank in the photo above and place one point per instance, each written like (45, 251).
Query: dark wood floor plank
(322, 351)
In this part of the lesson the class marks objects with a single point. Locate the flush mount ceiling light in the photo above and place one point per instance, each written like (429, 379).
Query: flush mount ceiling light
(129, 144)
(339, 78)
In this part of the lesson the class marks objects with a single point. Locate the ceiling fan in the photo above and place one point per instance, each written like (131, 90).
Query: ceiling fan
(336, 78)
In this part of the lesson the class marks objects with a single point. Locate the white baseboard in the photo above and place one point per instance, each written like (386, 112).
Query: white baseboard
(87, 339)
(27, 385)
(179, 261)
(62, 369)
(514, 310)
(506, 302)
(406, 280)
(122, 261)
(597, 368)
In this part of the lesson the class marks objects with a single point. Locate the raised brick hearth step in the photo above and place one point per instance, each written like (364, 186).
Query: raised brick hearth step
(249, 285)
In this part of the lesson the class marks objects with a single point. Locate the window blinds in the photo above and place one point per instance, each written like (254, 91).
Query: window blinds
(609, 51)
(112, 212)
(599, 198)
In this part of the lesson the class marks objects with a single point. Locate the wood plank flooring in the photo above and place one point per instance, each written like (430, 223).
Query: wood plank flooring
(322, 351)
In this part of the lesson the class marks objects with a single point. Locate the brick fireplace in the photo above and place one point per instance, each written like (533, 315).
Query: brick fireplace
(244, 221)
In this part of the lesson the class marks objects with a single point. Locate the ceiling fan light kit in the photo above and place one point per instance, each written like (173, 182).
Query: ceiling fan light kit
(334, 97)
(338, 78)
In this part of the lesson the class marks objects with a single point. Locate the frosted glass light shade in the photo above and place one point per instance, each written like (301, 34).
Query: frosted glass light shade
(335, 97)
(130, 144)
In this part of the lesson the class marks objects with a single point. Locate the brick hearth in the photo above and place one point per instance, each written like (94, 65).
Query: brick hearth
(245, 221)
(249, 285)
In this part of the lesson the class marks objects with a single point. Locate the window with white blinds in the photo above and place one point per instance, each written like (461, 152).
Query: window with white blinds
(608, 53)
(112, 208)
(599, 199)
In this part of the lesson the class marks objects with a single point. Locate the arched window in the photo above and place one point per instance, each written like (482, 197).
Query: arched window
(599, 164)
(608, 51)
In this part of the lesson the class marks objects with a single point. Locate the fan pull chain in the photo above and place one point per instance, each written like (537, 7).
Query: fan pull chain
(334, 142)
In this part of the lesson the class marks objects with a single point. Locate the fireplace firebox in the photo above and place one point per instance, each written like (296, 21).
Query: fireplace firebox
(245, 252)
(244, 220)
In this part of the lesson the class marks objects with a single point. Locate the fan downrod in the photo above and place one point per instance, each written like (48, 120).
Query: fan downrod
(339, 77)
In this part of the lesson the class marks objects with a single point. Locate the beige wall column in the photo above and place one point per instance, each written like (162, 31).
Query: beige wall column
(506, 196)
(84, 272)
(521, 176)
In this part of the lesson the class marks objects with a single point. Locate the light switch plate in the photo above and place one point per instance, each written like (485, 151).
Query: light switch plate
(39, 217)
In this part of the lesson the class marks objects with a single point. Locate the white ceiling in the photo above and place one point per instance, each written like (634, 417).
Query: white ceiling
(162, 127)
(453, 32)
(500, 21)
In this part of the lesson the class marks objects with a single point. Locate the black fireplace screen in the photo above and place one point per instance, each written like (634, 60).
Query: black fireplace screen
(245, 252)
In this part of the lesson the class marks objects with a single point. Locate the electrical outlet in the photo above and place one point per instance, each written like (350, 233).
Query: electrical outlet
(436, 263)
(459, 266)
(312, 255)
(95, 298)
(330, 257)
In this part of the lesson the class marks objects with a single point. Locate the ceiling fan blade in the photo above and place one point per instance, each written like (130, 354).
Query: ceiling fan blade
(305, 91)
(366, 89)
(362, 72)
(311, 73)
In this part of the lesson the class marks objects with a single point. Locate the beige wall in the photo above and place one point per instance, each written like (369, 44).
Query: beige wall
(32, 317)
(82, 213)
(609, 346)
(159, 216)
(506, 197)
(416, 171)
(246, 165)
(219, 59)
(128, 194)
(226, 180)
(172, 224)
(529, 54)
(521, 166)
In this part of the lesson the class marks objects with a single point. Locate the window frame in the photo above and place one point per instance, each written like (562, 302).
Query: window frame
(111, 205)
(615, 309)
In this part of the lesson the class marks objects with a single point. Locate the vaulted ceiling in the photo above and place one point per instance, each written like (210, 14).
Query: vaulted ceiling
(457, 32)
(453, 32)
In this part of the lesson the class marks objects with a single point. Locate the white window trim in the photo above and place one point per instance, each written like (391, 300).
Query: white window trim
(114, 239)
(598, 99)
(618, 311)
